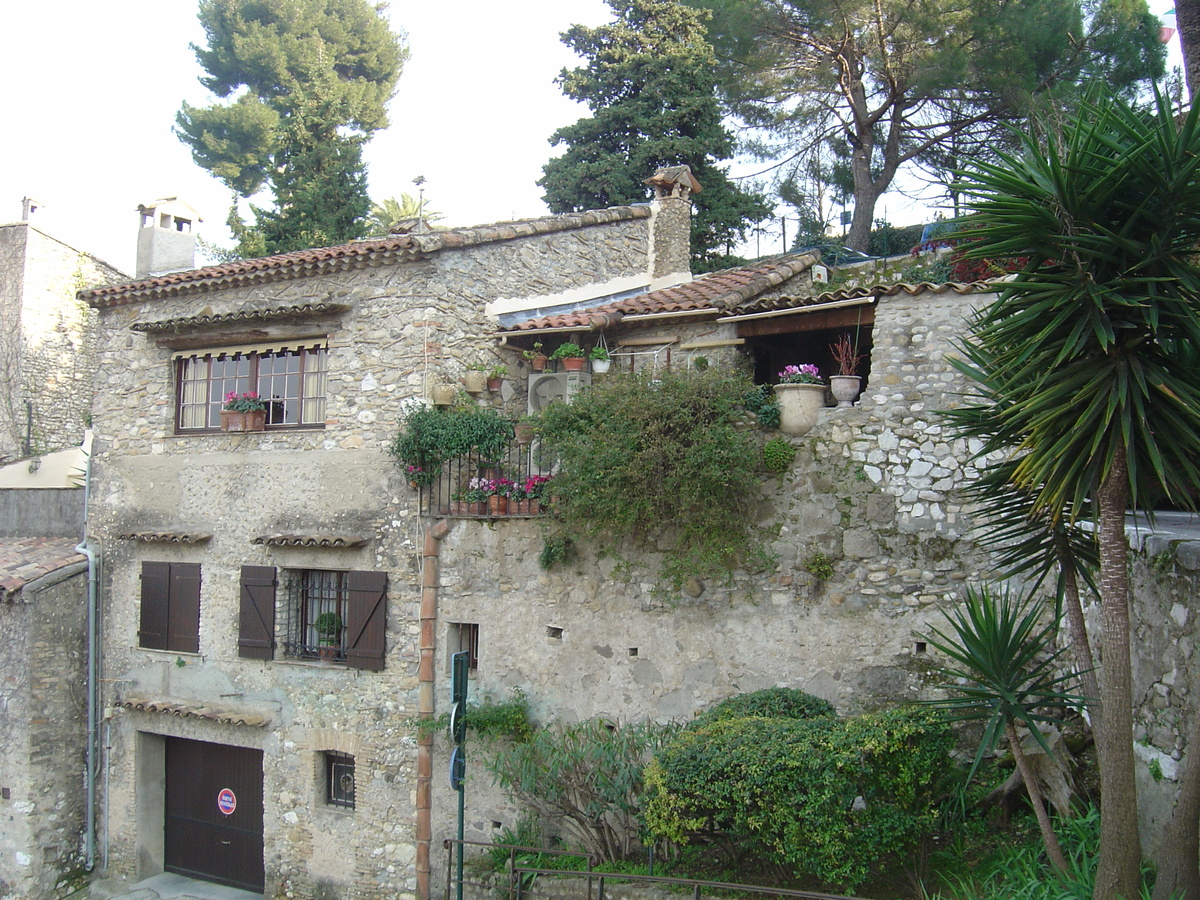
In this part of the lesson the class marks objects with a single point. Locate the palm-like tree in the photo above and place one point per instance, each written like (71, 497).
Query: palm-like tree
(1002, 666)
(390, 212)
(1082, 351)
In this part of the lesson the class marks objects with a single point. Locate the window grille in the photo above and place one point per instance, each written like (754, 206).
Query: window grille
(339, 779)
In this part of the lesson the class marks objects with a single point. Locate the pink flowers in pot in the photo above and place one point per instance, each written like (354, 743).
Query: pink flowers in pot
(802, 374)
(247, 402)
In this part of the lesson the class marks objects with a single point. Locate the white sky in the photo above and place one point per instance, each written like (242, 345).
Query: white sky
(92, 88)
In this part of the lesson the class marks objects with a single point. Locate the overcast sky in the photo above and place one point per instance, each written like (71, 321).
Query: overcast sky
(92, 88)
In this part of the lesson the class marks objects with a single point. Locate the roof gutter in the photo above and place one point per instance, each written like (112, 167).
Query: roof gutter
(817, 307)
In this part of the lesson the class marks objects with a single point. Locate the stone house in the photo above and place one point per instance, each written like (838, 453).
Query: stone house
(44, 790)
(245, 746)
(47, 358)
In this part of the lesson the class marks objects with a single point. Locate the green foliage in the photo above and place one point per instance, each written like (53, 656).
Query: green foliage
(390, 212)
(649, 83)
(328, 624)
(567, 350)
(771, 703)
(761, 401)
(787, 791)
(819, 565)
(1021, 872)
(557, 550)
(1155, 768)
(586, 776)
(884, 86)
(1003, 666)
(501, 719)
(778, 454)
(639, 455)
(312, 79)
(429, 437)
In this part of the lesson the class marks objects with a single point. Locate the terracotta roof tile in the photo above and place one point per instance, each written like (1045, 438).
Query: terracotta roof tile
(399, 248)
(195, 711)
(878, 290)
(311, 540)
(302, 311)
(715, 292)
(166, 537)
(23, 560)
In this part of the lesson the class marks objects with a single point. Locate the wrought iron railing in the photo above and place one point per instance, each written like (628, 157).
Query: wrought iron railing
(518, 483)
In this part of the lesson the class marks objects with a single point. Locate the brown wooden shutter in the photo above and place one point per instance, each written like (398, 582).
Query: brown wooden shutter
(256, 631)
(156, 600)
(366, 619)
(183, 615)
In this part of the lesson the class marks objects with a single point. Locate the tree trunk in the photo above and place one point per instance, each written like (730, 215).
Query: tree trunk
(1187, 18)
(1053, 850)
(1081, 648)
(1179, 853)
(1117, 873)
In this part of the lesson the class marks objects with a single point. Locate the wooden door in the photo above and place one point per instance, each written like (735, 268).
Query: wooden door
(214, 813)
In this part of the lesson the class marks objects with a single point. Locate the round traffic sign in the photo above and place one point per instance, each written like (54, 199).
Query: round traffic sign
(226, 801)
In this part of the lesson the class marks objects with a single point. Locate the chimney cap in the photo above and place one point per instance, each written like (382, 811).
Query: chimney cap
(172, 205)
(673, 181)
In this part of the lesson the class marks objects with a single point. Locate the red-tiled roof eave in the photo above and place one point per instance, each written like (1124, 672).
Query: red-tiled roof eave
(706, 296)
(879, 290)
(402, 248)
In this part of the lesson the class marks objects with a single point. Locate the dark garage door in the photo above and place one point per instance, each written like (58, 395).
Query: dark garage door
(214, 809)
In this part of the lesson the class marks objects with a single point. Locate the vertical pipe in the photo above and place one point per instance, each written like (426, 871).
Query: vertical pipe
(92, 677)
(425, 704)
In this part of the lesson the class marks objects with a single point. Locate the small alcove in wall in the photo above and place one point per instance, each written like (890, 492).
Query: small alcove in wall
(804, 335)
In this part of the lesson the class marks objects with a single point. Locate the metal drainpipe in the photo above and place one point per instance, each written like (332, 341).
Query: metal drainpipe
(92, 678)
(425, 702)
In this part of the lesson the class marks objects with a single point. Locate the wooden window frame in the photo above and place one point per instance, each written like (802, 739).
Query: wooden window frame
(464, 636)
(249, 373)
(170, 607)
(358, 597)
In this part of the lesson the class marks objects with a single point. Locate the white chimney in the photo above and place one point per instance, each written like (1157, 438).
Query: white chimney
(28, 207)
(166, 241)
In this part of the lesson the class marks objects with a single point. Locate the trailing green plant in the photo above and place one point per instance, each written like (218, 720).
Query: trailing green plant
(819, 565)
(638, 457)
(429, 437)
(489, 719)
(586, 776)
(778, 455)
(826, 798)
(761, 401)
(770, 703)
(557, 550)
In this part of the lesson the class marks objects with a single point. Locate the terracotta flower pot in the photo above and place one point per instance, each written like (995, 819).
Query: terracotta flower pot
(498, 505)
(573, 363)
(254, 420)
(494, 384)
(539, 362)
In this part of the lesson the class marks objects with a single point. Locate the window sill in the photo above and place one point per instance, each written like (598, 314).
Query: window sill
(159, 651)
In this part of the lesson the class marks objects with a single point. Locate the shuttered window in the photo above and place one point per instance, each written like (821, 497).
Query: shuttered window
(170, 614)
(334, 616)
(256, 625)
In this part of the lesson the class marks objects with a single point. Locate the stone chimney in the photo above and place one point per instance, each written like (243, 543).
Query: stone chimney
(29, 206)
(671, 223)
(166, 242)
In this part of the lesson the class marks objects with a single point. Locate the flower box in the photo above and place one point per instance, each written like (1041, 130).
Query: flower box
(252, 420)
(525, 507)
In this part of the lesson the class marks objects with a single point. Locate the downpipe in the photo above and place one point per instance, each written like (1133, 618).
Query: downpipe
(92, 679)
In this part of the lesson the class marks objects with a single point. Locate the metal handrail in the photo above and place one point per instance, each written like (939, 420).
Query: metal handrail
(693, 883)
(514, 887)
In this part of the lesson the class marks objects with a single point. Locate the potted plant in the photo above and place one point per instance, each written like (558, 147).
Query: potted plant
(495, 377)
(498, 491)
(601, 361)
(443, 394)
(537, 359)
(571, 355)
(329, 629)
(476, 378)
(527, 497)
(430, 437)
(525, 429)
(470, 502)
(801, 395)
(243, 412)
(845, 384)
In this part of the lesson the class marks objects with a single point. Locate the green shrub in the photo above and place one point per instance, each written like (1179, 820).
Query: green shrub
(587, 777)
(778, 455)
(772, 703)
(637, 456)
(761, 401)
(820, 565)
(557, 550)
(429, 437)
(826, 797)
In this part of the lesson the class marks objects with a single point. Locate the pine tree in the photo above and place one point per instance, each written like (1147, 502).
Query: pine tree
(650, 86)
(312, 79)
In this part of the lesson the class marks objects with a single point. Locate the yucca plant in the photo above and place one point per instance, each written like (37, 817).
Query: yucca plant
(1003, 671)
(1082, 351)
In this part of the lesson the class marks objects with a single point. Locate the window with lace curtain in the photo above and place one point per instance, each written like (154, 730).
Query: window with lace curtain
(290, 380)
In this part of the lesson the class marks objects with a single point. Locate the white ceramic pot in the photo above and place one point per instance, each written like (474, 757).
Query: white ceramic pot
(845, 388)
(601, 366)
(799, 405)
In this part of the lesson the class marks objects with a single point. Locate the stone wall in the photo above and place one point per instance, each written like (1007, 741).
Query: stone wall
(47, 350)
(42, 739)
(873, 488)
